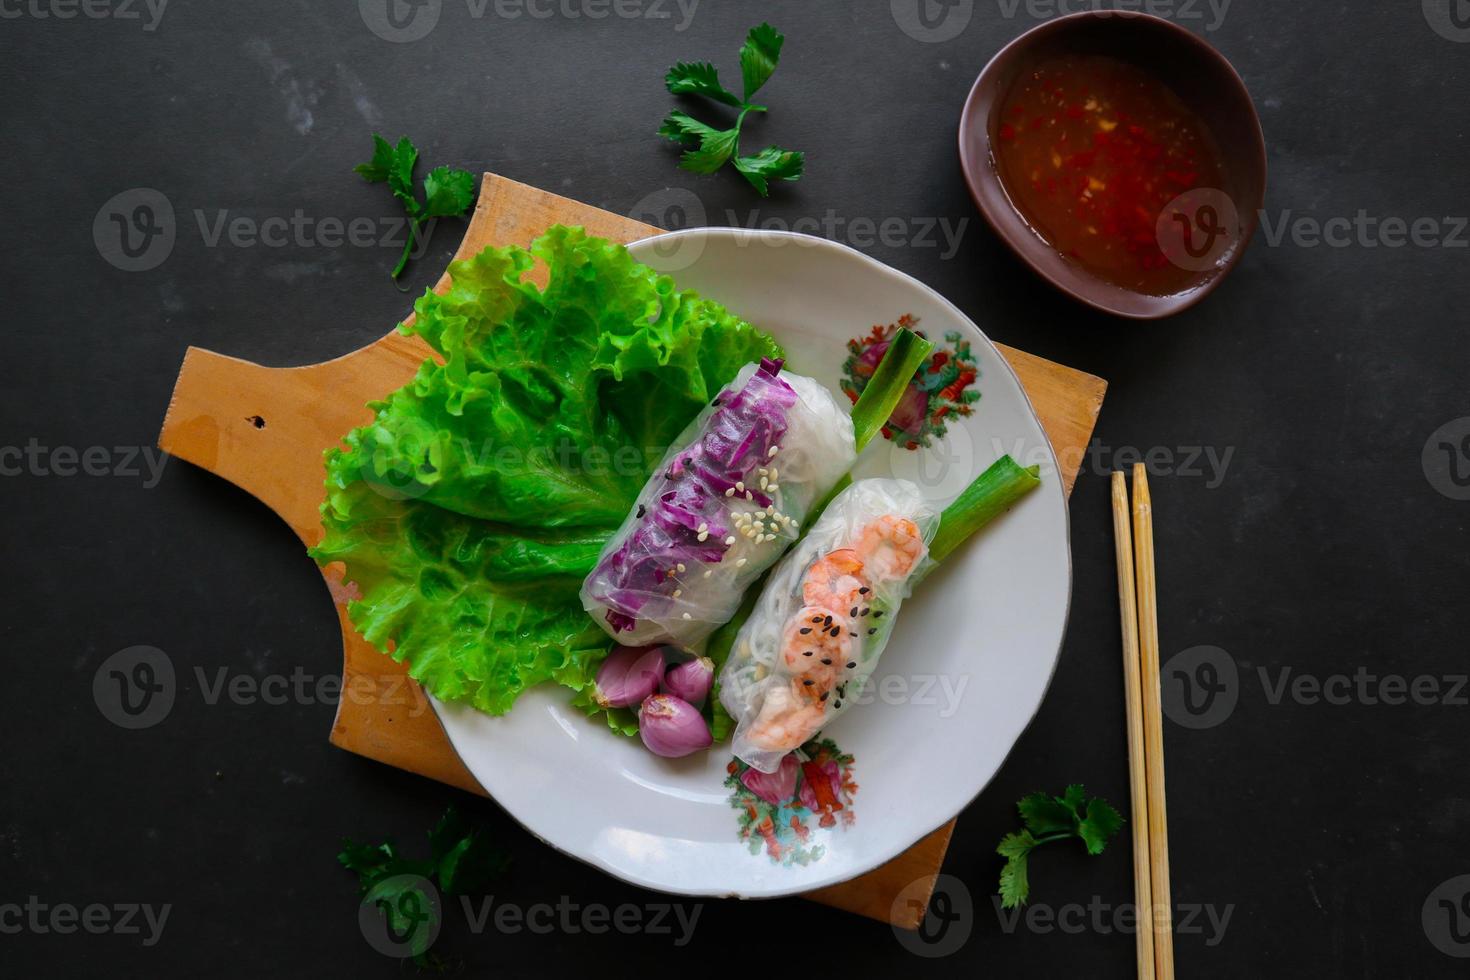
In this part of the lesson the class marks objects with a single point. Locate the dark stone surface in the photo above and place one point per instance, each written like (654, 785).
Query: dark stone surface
(1323, 550)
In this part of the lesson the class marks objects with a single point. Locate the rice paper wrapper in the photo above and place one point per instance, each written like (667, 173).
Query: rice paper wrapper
(825, 616)
(728, 498)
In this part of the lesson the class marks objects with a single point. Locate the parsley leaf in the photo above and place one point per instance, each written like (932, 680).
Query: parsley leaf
(460, 859)
(1101, 823)
(448, 193)
(758, 59)
(715, 148)
(699, 78)
(772, 163)
(682, 126)
(1051, 818)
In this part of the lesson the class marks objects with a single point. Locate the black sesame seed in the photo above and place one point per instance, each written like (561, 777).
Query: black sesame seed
(816, 619)
(827, 661)
(852, 612)
(807, 654)
(717, 401)
(851, 664)
(864, 590)
(836, 704)
(827, 621)
(877, 614)
(805, 630)
(852, 634)
(642, 510)
(866, 610)
(837, 631)
(825, 694)
(808, 682)
(872, 631)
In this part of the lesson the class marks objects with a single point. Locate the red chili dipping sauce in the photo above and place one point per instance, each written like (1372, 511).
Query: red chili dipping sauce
(1090, 150)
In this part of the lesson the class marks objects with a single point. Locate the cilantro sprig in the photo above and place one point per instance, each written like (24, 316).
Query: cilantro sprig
(447, 193)
(461, 862)
(710, 148)
(1047, 819)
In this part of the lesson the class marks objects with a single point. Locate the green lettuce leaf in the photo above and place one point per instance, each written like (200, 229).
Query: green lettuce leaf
(470, 509)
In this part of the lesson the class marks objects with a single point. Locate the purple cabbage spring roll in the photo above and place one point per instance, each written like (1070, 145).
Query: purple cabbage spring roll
(726, 501)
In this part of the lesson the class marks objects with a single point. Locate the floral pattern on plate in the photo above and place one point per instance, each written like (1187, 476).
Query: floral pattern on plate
(940, 390)
(775, 809)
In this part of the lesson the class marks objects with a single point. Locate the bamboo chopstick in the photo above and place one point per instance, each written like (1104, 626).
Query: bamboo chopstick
(1133, 690)
(1153, 724)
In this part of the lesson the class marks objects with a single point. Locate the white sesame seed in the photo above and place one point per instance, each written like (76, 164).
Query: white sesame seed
(773, 473)
(730, 540)
(678, 593)
(739, 562)
(765, 484)
(687, 616)
(730, 492)
(680, 567)
(708, 572)
(703, 535)
(703, 527)
(760, 514)
(748, 496)
(774, 487)
(740, 485)
(773, 450)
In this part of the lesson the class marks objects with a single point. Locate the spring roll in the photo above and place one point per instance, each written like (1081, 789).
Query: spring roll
(728, 498)
(826, 613)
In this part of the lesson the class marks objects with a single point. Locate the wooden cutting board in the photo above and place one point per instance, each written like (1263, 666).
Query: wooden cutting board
(264, 429)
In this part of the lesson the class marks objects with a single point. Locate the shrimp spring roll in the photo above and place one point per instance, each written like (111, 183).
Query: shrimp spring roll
(821, 624)
(730, 496)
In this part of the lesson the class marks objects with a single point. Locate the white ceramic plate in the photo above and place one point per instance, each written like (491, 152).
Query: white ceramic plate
(965, 671)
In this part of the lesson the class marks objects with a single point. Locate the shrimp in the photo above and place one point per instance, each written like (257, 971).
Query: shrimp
(815, 650)
(890, 547)
(833, 579)
(787, 718)
(818, 642)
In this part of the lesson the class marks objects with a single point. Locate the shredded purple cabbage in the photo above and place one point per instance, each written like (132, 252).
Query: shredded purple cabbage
(735, 440)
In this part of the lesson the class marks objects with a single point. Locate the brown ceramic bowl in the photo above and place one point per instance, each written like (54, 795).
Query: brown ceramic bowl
(1197, 73)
